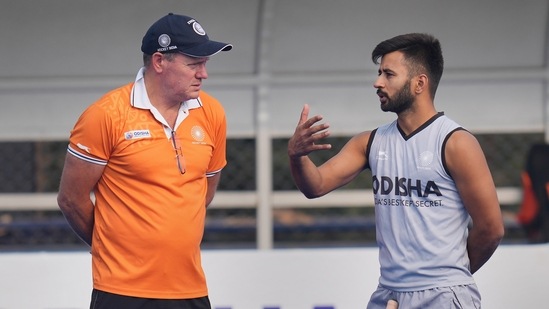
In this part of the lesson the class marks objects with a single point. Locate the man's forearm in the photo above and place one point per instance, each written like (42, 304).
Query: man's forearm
(306, 176)
(481, 245)
(80, 219)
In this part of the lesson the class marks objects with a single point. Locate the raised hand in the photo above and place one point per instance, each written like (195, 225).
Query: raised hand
(307, 134)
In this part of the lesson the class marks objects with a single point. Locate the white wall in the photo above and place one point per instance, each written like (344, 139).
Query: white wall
(59, 56)
(517, 276)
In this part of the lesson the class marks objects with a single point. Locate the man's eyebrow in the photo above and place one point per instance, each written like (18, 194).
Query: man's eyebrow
(385, 70)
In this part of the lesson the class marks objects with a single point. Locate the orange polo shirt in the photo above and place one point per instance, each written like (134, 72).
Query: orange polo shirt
(149, 218)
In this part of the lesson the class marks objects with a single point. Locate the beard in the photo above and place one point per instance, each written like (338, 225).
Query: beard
(401, 101)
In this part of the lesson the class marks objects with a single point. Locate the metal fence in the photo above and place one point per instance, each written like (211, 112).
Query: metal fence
(30, 173)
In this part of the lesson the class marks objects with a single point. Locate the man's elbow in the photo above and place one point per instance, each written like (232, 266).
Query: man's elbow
(500, 233)
(64, 203)
(310, 194)
(495, 234)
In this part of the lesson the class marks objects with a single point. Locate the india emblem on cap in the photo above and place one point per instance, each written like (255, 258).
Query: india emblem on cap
(164, 40)
(198, 28)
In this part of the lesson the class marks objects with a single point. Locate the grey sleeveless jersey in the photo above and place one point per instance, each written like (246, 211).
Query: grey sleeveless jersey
(421, 221)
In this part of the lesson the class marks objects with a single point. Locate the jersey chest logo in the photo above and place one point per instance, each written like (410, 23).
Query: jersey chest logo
(198, 134)
(137, 134)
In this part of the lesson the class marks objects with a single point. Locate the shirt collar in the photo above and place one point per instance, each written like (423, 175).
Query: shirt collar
(140, 99)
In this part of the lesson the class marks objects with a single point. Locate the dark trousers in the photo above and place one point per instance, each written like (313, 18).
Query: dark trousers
(105, 300)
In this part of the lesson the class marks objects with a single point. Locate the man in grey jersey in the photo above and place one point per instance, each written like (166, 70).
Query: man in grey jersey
(430, 180)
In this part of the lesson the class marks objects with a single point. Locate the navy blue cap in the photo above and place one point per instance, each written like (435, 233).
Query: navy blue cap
(183, 34)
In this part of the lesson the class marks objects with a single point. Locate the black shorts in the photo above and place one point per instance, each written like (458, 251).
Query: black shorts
(105, 300)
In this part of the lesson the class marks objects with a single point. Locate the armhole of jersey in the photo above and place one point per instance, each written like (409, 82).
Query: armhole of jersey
(443, 150)
(370, 141)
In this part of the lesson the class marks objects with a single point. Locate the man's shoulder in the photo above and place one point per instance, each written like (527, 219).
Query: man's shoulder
(210, 102)
(115, 99)
(120, 92)
(386, 127)
(207, 98)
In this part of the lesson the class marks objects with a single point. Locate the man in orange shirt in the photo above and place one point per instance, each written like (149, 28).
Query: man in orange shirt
(151, 152)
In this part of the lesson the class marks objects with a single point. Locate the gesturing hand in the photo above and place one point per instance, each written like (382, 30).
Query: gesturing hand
(306, 134)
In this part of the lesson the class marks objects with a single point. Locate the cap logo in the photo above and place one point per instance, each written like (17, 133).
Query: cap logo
(198, 29)
(164, 40)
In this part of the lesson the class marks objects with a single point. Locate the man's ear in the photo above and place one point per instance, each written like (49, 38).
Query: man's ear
(156, 61)
(421, 83)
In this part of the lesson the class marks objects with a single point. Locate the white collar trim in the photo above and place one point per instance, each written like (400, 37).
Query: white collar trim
(140, 99)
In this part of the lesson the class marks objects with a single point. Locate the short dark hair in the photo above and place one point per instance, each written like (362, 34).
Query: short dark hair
(421, 51)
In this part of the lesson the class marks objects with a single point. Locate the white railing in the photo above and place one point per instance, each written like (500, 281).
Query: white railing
(244, 200)
(247, 200)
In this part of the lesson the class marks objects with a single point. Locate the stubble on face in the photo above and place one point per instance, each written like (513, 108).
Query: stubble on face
(400, 101)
